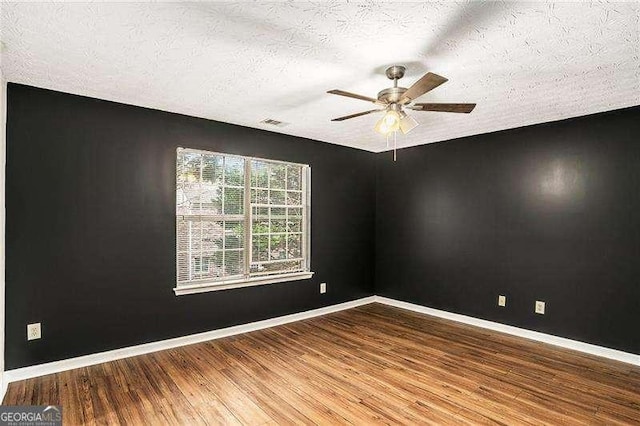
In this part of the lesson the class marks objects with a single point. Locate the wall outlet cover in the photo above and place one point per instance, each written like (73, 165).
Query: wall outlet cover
(34, 331)
(502, 300)
(540, 307)
(323, 287)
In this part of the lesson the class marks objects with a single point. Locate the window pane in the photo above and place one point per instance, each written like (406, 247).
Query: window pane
(293, 177)
(276, 197)
(294, 198)
(278, 247)
(259, 174)
(294, 246)
(233, 234)
(260, 196)
(212, 235)
(277, 176)
(197, 190)
(187, 195)
(294, 222)
(234, 171)
(209, 265)
(260, 220)
(210, 200)
(278, 220)
(188, 167)
(212, 170)
(233, 262)
(295, 212)
(260, 248)
(233, 200)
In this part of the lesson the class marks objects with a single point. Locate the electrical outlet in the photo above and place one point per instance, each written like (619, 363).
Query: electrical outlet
(502, 300)
(539, 307)
(323, 287)
(33, 331)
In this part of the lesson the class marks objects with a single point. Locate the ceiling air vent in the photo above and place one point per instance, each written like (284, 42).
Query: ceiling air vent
(272, 122)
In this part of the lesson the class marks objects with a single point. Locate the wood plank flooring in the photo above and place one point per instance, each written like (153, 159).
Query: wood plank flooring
(372, 364)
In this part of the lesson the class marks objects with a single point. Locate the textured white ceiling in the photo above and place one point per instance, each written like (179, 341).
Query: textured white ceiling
(242, 62)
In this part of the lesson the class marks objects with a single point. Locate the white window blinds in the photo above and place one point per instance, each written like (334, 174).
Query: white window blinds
(239, 218)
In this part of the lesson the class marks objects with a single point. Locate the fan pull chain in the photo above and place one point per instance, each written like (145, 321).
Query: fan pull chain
(394, 144)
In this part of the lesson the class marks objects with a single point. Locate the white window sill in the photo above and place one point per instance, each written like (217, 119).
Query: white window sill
(226, 285)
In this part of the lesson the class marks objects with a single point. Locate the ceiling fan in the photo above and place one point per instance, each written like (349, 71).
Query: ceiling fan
(395, 100)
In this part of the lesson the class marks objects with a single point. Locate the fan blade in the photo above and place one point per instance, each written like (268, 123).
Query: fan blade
(352, 95)
(463, 108)
(428, 82)
(346, 117)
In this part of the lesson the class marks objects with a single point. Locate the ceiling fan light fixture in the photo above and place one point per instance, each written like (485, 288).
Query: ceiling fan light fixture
(381, 128)
(407, 123)
(389, 123)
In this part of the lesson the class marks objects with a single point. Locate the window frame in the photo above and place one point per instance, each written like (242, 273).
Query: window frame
(249, 279)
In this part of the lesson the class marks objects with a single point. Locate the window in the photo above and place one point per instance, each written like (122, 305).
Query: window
(239, 221)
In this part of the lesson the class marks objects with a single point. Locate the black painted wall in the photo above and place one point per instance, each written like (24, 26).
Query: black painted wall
(548, 212)
(90, 233)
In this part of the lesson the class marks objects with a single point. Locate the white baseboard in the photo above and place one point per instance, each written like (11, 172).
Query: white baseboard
(83, 361)
(515, 331)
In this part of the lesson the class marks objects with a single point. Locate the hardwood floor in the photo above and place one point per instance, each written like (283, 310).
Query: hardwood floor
(372, 364)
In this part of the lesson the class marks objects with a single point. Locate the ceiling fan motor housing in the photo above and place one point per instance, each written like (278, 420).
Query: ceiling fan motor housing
(391, 95)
